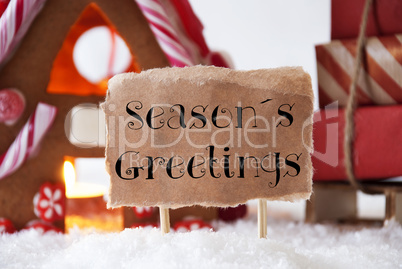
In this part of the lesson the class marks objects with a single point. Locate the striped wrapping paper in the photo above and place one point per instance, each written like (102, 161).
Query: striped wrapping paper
(380, 80)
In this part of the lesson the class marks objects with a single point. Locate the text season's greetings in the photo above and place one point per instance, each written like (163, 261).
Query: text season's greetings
(209, 136)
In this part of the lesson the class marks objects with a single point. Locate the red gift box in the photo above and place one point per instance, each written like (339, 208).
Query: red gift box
(384, 18)
(377, 147)
(380, 80)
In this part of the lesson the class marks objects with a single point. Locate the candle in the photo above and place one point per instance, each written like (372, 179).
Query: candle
(86, 207)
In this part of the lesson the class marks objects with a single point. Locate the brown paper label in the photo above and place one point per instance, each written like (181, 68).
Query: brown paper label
(208, 136)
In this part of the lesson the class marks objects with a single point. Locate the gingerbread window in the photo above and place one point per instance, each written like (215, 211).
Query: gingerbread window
(92, 52)
(85, 126)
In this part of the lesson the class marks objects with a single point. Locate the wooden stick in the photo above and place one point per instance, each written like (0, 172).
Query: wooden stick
(164, 219)
(390, 205)
(262, 218)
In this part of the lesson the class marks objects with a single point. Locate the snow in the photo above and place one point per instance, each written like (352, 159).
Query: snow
(290, 244)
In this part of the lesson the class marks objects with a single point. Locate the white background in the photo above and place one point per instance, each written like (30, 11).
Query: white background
(266, 33)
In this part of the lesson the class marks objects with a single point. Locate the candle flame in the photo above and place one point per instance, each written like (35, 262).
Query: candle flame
(69, 175)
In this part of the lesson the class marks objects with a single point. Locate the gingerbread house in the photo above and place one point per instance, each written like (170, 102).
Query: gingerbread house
(40, 83)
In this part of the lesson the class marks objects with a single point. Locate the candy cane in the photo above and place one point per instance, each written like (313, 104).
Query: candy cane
(14, 23)
(27, 142)
(165, 33)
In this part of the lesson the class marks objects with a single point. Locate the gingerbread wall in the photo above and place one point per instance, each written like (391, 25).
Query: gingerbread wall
(29, 70)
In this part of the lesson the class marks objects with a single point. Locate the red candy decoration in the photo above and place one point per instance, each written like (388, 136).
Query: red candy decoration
(143, 212)
(42, 227)
(6, 226)
(190, 225)
(49, 202)
(12, 105)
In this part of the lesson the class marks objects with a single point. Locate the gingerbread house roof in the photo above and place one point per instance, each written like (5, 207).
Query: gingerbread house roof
(173, 23)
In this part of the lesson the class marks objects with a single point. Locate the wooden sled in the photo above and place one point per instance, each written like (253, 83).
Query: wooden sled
(337, 202)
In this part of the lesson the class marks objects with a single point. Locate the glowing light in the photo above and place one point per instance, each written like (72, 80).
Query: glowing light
(69, 176)
(79, 189)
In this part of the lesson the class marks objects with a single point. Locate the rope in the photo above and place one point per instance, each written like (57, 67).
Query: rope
(352, 105)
